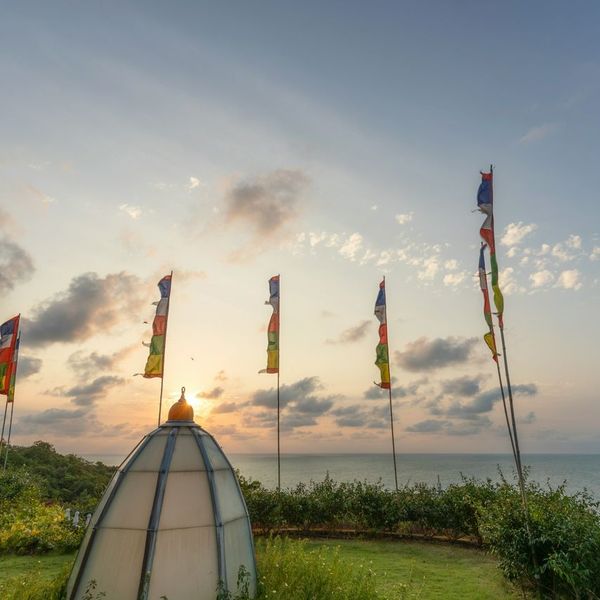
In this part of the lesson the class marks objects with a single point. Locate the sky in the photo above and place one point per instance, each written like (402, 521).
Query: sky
(333, 143)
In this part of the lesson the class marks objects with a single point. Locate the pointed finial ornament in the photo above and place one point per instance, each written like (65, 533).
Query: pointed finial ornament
(181, 410)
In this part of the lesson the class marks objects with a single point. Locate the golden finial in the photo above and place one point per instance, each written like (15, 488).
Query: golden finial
(181, 410)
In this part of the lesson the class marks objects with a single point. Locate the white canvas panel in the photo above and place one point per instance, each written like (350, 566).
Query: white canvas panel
(185, 565)
(238, 550)
(215, 454)
(187, 455)
(115, 563)
(132, 503)
(187, 501)
(151, 456)
(229, 498)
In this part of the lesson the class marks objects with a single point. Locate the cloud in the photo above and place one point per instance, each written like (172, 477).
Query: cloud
(16, 265)
(28, 365)
(454, 279)
(193, 183)
(90, 305)
(462, 386)
(213, 394)
(404, 218)
(352, 246)
(529, 418)
(569, 280)
(541, 278)
(484, 402)
(426, 355)
(135, 212)
(450, 428)
(87, 365)
(224, 407)
(536, 134)
(86, 394)
(515, 233)
(287, 393)
(267, 204)
(428, 426)
(398, 391)
(595, 255)
(356, 415)
(431, 267)
(352, 334)
(508, 283)
(298, 401)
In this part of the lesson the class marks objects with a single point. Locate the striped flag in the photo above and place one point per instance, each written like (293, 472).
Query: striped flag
(9, 338)
(155, 362)
(485, 203)
(489, 337)
(382, 351)
(273, 328)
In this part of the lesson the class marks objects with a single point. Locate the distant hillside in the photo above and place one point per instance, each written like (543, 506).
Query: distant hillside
(68, 479)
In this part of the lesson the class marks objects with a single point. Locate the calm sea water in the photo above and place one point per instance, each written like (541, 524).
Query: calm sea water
(579, 471)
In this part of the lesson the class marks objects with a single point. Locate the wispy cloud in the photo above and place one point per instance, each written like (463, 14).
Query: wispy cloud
(536, 134)
(352, 334)
(515, 233)
(135, 212)
(404, 218)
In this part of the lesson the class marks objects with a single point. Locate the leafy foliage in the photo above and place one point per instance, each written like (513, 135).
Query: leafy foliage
(67, 479)
(27, 524)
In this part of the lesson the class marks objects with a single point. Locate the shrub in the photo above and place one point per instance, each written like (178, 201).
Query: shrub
(565, 537)
(27, 525)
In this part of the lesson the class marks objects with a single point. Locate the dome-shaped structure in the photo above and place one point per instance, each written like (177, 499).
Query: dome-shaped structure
(172, 522)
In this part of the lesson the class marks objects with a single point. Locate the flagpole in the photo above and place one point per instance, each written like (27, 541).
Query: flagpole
(510, 434)
(12, 400)
(3, 425)
(278, 369)
(12, 408)
(390, 392)
(162, 378)
(517, 450)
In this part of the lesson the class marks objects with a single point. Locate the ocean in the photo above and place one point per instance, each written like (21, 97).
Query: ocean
(579, 471)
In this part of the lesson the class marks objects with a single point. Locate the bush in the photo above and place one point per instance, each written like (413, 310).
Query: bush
(28, 525)
(565, 537)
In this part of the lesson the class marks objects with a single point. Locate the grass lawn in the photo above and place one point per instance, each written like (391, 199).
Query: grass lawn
(14, 570)
(435, 570)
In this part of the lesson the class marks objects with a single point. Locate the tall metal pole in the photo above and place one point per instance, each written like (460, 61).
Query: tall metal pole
(12, 408)
(3, 426)
(517, 450)
(162, 379)
(278, 401)
(12, 400)
(390, 392)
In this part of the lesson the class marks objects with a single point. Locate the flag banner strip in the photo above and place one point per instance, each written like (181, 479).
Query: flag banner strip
(273, 328)
(382, 359)
(8, 353)
(485, 203)
(489, 337)
(155, 362)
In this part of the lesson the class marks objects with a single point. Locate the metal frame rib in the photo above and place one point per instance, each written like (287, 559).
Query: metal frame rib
(157, 504)
(219, 526)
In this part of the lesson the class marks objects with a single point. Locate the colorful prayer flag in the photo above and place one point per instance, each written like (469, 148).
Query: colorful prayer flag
(155, 362)
(382, 351)
(273, 328)
(9, 335)
(487, 311)
(485, 202)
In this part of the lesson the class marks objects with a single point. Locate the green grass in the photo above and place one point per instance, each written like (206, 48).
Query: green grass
(434, 571)
(19, 570)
